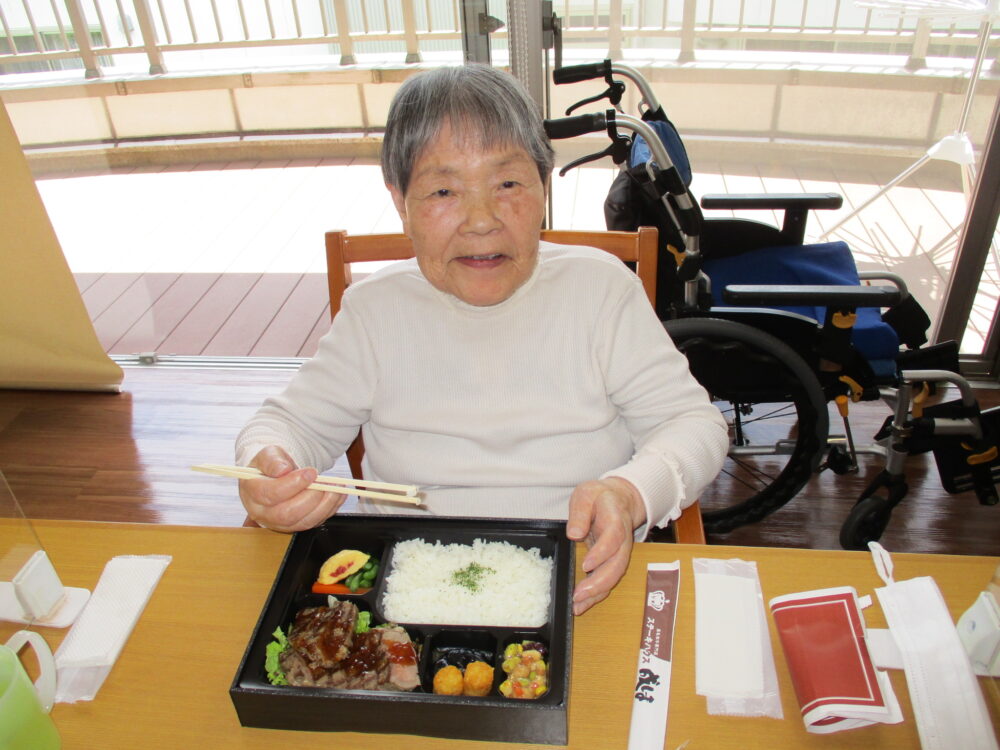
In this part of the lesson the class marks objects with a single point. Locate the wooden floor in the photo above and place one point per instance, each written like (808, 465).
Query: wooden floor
(227, 259)
(126, 457)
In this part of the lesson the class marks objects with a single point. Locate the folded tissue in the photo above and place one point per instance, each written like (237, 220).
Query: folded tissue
(93, 644)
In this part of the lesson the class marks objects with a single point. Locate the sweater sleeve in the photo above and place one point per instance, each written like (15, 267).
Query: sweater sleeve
(680, 438)
(319, 413)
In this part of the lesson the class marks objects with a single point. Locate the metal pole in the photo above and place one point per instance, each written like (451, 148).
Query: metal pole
(524, 37)
(82, 36)
(974, 246)
(528, 57)
(475, 38)
(984, 41)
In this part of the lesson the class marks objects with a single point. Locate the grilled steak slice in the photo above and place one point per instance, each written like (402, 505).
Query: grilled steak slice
(402, 658)
(367, 666)
(324, 651)
(296, 670)
(323, 636)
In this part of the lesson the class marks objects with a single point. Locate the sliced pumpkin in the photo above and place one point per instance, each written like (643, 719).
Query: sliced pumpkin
(341, 565)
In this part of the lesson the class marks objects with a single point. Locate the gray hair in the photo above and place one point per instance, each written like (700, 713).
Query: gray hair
(487, 106)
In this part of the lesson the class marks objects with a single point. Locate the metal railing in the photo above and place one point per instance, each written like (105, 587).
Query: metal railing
(831, 26)
(95, 34)
(43, 31)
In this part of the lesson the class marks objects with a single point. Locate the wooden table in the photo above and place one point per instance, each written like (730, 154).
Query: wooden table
(169, 688)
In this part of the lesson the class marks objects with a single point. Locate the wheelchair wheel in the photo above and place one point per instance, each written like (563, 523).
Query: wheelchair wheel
(776, 410)
(866, 522)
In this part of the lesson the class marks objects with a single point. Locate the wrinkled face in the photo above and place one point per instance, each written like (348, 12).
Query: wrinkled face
(474, 218)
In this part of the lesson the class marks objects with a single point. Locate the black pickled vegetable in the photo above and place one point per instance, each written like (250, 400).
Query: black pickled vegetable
(459, 656)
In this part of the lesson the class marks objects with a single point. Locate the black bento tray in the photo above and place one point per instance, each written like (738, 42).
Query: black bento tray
(421, 712)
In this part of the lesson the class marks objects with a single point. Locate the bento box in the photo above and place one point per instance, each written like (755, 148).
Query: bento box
(371, 702)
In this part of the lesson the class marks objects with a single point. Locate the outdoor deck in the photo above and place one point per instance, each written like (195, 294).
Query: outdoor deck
(226, 259)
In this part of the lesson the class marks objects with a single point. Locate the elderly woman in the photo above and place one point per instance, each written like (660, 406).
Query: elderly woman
(506, 376)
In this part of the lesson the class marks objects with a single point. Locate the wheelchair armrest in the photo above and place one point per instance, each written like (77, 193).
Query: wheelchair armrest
(795, 205)
(785, 201)
(820, 295)
(894, 278)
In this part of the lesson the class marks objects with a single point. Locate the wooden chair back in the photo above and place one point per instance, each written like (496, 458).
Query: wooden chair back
(343, 249)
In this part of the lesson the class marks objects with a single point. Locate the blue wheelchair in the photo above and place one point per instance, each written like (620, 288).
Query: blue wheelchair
(777, 329)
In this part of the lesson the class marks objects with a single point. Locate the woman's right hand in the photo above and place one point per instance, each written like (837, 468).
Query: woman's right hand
(281, 499)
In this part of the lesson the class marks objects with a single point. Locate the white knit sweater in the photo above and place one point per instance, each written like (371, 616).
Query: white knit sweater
(501, 411)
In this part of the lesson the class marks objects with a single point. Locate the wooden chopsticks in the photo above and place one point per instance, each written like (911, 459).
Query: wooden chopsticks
(402, 493)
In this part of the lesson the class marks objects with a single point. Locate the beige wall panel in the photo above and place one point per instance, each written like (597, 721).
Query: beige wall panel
(860, 113)
(177, 112)
(377, 99)
(744, 108)
(299, 107)
(60, 120)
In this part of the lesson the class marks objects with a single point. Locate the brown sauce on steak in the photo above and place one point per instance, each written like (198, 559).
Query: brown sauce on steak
(366, 655)
(323, 635)
(401, 653)
(326, 652)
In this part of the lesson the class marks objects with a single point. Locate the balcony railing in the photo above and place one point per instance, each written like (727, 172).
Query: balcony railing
(150, 35)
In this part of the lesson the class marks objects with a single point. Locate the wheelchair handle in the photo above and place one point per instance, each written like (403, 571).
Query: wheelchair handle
(584, 72)
(588, 71)
(571, 127)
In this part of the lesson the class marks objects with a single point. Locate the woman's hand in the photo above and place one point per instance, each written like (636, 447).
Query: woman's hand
(282, 501)
(604, 513)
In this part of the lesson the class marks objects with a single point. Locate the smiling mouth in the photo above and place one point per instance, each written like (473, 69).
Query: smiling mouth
(491, 256)
(484, 262)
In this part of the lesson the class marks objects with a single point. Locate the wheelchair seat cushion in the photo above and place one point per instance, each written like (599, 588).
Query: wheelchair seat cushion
(822, 263)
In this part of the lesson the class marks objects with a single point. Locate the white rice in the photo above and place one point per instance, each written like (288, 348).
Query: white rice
(421, 588)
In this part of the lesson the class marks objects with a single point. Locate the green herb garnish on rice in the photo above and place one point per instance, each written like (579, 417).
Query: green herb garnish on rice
(471, 576)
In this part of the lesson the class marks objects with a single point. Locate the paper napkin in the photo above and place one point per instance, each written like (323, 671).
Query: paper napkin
(93, 644)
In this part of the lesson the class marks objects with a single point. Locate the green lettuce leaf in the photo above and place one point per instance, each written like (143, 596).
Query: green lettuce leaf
(364, 622)
(274, 649)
